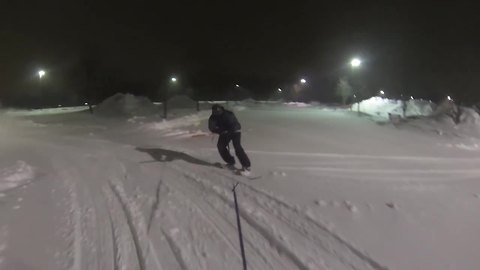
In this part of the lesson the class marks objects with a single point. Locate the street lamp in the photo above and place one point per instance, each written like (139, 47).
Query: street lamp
(355, 63)
(173, 79)
(41, 73)
(303, 81)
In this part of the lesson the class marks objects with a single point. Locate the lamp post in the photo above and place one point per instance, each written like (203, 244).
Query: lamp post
(173, 83)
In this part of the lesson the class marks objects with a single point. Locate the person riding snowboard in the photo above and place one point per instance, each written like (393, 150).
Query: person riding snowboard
(224, 123)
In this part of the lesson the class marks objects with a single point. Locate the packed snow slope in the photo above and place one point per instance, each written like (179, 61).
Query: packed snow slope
(337, 191)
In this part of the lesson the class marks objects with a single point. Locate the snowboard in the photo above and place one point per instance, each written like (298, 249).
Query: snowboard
(236, 171)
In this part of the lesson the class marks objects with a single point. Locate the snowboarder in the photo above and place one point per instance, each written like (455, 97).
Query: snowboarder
(224, 123)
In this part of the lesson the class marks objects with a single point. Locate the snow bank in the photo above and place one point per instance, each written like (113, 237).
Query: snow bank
(185, 121)
(16, 175)
(47, 111)
(420, 107)
(248, 101)
(181, 102)
(382, 107)
(126, 105)
(297, 104)
(469, 117)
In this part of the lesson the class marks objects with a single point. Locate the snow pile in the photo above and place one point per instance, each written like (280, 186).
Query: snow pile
(181, 102)
(185, 121)
(14, 176)
(297, 104)
(383, 107)
(126, 105)
(47, 111)
(248, 101)
(469, 117)
(179, 133)
(238, 108)
(419, 107)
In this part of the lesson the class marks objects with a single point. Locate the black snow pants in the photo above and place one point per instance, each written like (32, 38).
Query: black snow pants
(222, 145)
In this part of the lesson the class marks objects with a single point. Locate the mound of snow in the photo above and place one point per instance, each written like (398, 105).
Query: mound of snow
(248, 101)
(16, 175)
(297, 104)
(126, 105)
(181, 102)
(193, 120)
(416, 107)
(382, 107)
(469, 117)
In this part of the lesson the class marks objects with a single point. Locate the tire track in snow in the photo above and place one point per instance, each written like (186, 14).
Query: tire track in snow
(142, 254)
(128, 216)
(317, 236)
(199, 205)
(323, 230)
(175, 249)
(114, 240)
(210, 212)
(75, 211)
(156, 204)
(264, 232)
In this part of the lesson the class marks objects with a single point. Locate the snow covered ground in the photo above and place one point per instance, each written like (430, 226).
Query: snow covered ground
(337, 191)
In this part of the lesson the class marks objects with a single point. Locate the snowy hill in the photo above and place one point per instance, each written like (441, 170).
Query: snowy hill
(381, 107)
(126, 105)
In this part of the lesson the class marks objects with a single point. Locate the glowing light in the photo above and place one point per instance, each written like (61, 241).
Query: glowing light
(411, 97)
(41, 73)
(303, 81)
(355, 62)
(236, 85)
(382, 92)
(173, 79)
(86, 103)
(449, 98)
(279, 90)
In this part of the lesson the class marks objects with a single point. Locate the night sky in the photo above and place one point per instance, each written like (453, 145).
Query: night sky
(428, 50)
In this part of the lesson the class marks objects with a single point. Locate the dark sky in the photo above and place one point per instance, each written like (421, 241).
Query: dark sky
(424, 49)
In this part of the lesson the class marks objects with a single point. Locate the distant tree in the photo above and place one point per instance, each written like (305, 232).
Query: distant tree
(344, 90)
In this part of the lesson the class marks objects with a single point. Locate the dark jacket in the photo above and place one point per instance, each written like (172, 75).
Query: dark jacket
(226, 122)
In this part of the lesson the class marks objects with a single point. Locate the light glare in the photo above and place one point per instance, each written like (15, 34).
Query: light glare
(303, 81)
(41, 73)
(355, 62)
